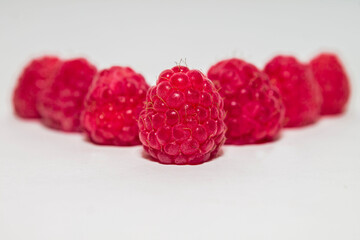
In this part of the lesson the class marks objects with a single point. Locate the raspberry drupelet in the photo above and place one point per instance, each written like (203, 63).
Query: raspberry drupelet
(183, 119)
(112, 107)
(36, 76)
(254, 109)
(300, 92)
(61, 103)
(334, 83)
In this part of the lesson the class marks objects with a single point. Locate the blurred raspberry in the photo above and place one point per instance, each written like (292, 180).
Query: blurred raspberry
(300, 92)
(61, 103)
(113, 105)
(255, 112)
(333, 81)
(183, 120)
(35, 77)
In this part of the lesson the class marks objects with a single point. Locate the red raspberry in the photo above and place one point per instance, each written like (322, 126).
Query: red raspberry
(35, 77)
(298, 89)
(333, 81)
(183, 119)
(61, 103)
(255, 112)
(113, 105)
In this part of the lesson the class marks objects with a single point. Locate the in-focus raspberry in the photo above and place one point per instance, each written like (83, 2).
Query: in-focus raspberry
(61, 103)
(36, 76)
(334, 82)
(300, 92)
(255, 112)
(112, 107)
(183, 119)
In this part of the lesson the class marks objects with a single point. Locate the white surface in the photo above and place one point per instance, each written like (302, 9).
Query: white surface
(58, 186)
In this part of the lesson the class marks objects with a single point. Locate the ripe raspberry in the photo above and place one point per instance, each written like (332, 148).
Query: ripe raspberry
(183, 119)
(35, 77)
(61, 103)
(255, 112)
(298, 89)
(333, 81)
(113, 105)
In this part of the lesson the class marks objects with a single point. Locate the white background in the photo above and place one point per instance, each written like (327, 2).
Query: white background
(58, 186)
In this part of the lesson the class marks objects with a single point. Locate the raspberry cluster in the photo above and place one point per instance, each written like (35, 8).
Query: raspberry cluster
(187, 116)
(35, 77)
(183, 119)
(255, 112)
(334, 83)
(300, 92)
(112, 107)
(61, 103)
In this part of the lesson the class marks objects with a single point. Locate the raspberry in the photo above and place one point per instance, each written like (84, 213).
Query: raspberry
(61, 103)
(35, 77)
(255, 112)
(333, 81)
(183, 119)
(112, 107)
(300, 92)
